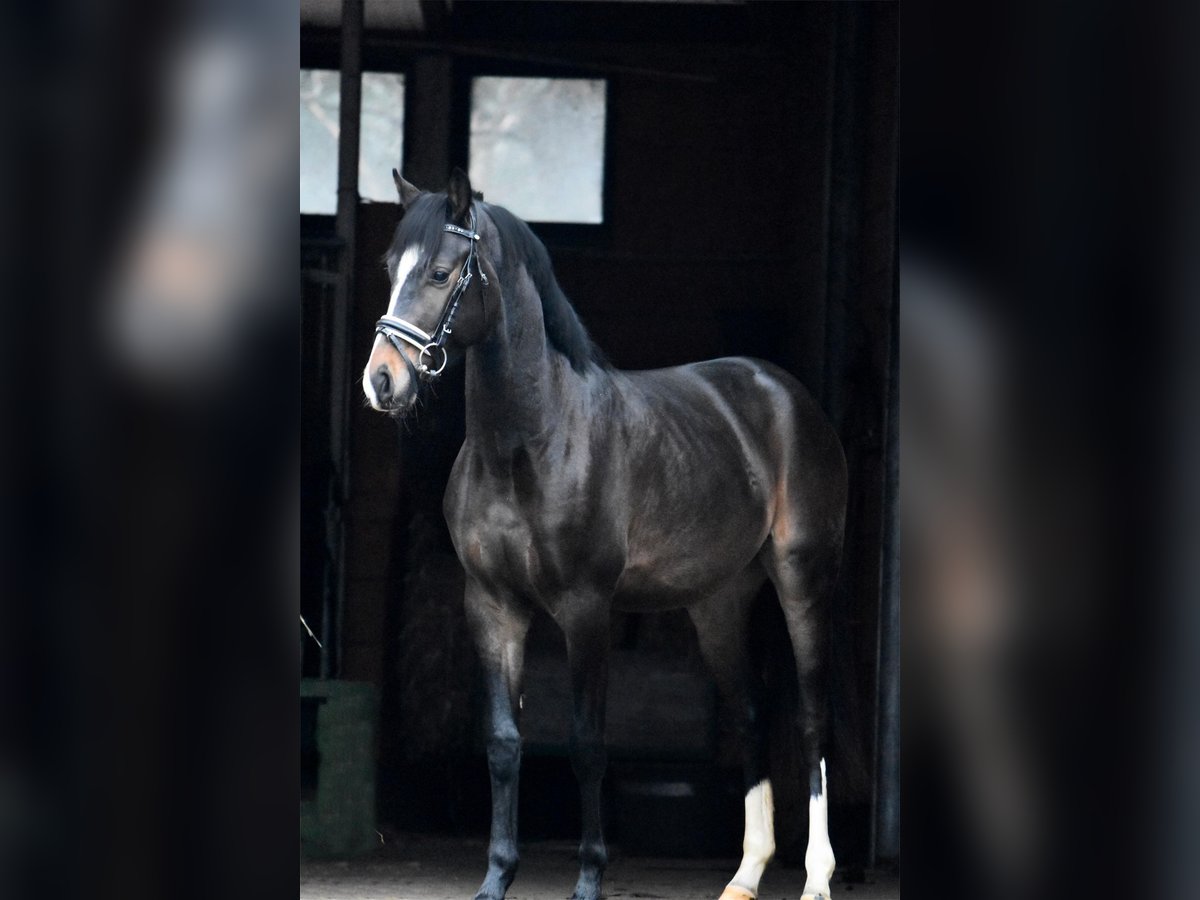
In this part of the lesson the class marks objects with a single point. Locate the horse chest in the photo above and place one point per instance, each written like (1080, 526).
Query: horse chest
(509, 543)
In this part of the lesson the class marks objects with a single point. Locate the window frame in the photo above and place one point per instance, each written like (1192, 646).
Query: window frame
(314, 217)
(403, 73)
(320, 49)
(559, 233)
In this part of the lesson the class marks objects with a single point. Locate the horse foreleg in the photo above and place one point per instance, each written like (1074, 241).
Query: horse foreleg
(500, 628)
(587, 633)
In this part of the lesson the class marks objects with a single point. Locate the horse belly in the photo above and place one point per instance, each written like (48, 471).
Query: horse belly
(686, 564)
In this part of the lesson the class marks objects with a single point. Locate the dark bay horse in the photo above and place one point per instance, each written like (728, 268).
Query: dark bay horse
(580, 488)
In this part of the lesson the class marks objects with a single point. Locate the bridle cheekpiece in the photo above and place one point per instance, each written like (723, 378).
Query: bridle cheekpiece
(430, 346)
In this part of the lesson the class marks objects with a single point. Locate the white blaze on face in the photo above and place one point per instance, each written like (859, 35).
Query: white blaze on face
(758, 845)
(408, 262)
(818, 858)
(368, 388)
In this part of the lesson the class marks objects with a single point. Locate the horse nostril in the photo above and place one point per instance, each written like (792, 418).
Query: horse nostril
(382, 382)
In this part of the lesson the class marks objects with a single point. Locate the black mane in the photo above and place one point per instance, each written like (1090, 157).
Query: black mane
(422, 223)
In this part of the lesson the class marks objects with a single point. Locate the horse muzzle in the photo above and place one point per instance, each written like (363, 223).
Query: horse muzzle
(390, 389)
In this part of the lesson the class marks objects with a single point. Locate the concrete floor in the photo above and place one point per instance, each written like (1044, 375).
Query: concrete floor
(423, 868)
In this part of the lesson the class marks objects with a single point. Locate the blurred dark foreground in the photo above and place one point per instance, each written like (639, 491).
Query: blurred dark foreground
(148, 633)
(1050, 385)
(1049, 391)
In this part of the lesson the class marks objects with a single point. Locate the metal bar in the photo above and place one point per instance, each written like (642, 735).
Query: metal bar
(346, 226)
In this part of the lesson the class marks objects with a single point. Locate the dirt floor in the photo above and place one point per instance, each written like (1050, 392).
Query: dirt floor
(422, 868)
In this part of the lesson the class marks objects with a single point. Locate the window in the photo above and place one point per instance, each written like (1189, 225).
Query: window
(537, 146)
(320, 103)
(380, 139)
(381, 144)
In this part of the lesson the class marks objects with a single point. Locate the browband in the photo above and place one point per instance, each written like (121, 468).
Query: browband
(465, 232)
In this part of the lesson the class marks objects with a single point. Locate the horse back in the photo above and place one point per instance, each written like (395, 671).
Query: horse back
(696, 409)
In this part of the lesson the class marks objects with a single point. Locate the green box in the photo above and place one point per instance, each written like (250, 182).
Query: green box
(340, 820)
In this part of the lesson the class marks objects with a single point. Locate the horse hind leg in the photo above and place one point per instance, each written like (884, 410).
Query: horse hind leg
(721, 622)
(804, 576)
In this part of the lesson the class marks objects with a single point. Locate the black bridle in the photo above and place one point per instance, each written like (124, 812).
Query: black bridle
(396, 329)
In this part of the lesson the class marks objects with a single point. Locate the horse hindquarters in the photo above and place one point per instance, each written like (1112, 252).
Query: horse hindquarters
(802, 555)
(785, 437)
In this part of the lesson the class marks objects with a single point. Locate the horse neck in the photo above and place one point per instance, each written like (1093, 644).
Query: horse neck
(518, 388)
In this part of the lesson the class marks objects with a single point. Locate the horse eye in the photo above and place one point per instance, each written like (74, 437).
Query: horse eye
(441, 276)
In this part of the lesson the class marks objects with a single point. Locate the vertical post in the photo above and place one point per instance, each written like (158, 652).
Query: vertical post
(347, 232)
(886, 837)
(879, 107)
(844, 211)
(427, 124)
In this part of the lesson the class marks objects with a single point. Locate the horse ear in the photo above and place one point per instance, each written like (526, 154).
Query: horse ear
(460, 196)
(408, 193)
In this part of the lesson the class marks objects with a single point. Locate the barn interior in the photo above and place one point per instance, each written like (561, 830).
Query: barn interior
(740, 199)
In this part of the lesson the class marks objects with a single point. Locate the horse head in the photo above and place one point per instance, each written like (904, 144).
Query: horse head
(445, 293)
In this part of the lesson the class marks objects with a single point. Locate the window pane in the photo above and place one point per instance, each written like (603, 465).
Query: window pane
(537, 146)
(320, 101)
(382, 138)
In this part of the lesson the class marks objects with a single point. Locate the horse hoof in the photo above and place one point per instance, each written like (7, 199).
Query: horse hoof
(817, 896)
(732, 892)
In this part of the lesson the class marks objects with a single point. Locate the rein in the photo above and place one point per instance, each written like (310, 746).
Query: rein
(396, 329)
